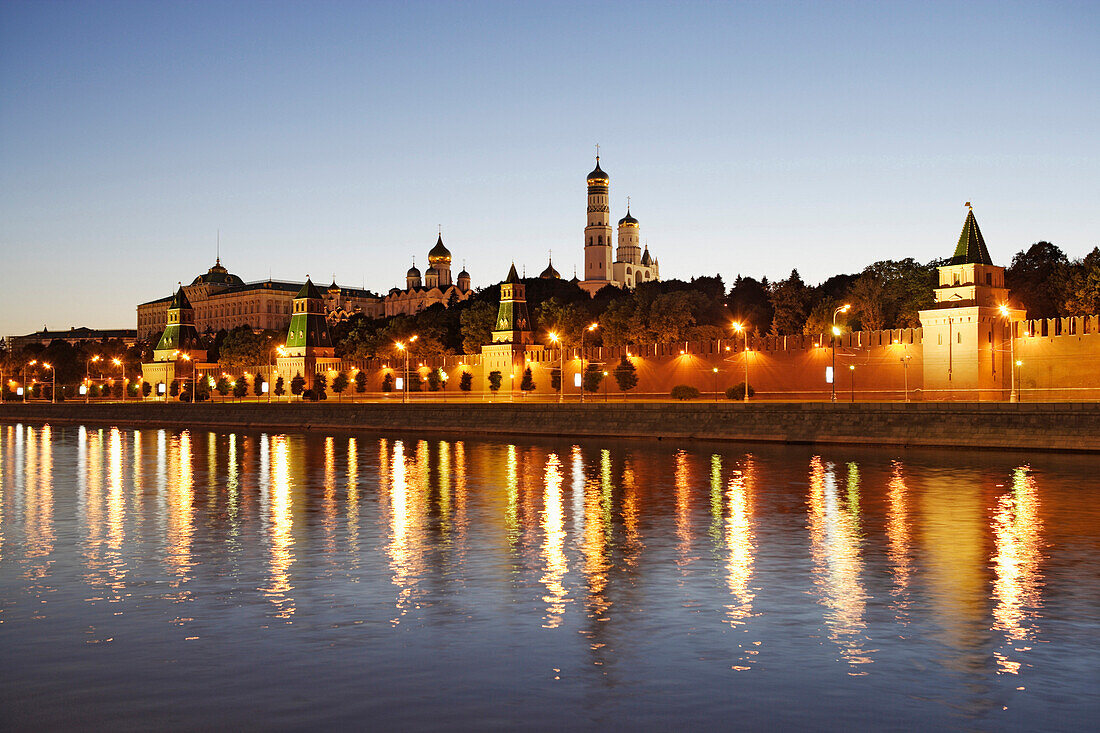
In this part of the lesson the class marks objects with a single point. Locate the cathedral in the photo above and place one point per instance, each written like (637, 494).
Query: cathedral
(435, 287)
(630, 264)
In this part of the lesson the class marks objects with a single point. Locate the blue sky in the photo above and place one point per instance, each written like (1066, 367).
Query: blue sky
(329, 137)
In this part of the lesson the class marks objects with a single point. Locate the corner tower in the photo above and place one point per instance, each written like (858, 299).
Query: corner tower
(180, 335)
(309, 347)
(513, 324)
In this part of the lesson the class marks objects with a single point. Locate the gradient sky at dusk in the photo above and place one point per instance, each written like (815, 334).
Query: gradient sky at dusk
(330, 137)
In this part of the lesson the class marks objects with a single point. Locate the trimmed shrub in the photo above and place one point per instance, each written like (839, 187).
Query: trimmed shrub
(684, 392)
(737, 392)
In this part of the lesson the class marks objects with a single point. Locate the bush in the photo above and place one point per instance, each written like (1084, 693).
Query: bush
(223, 386)
(360, 382)
(528, 382)
(737, 392)
(593, 375)
(434, 380)
(340, 384)
(240, 387)
(466, 382)
(555, 379)
(387, 382)
(495, 379)
(626, 374)
(685, 392)
(298, 384)
(280, 387)
(309, 396)
(320, 383)
(258, 385)
(146, 389)
(173, 389)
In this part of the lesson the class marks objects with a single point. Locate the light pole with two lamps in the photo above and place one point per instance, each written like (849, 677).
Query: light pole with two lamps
(561, 365)
(740, 328)
(591, 327)
(405, 381)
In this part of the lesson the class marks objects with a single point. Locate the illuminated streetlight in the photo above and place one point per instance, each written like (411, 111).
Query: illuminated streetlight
(53, 387)
(1012, 397)
(740, 328)
(836, 332)
(122, 374)
(852, 369)
(591, 327)
(404, 382)
(561, 366)
(715, 370)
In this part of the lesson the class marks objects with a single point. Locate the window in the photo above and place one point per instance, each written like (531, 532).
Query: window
(956, 278)
(989, 278)
(959, 338)
(941, 340)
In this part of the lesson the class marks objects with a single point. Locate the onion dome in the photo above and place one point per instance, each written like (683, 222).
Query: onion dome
(628, 220)
(334, 288)
(439, 254)
(597, 175)
(550, 273)
(430, 272)
(646, 259)
(413, 272)
(464, 274)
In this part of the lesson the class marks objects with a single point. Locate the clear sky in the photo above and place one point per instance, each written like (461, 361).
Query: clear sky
(330, 137)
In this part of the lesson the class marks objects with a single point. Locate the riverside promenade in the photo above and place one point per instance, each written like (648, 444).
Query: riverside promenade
(1058, 426)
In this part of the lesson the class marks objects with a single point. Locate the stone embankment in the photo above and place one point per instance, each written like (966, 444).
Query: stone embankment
(1027, 426)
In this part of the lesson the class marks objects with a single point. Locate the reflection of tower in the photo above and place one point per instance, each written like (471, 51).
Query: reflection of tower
(597, 233)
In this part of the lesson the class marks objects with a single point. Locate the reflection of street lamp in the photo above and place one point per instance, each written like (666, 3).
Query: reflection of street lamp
(836, 332)
(591, 327)
(1012, 397)
(740, 328)
(561, 366)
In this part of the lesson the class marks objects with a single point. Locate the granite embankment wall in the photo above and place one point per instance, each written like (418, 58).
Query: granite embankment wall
(1027, 426)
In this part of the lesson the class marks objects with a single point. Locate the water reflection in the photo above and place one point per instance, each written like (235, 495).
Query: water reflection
(1017, 585)
(601, 559)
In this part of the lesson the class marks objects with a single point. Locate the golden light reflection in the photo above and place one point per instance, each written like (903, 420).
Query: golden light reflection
(683, 505)
(352, 507)
(445, 490)
(632, 546)
(593, 546)
(116, 514)
(405, 547)
(181, 497)
(741, 546)
(716, 499)
(38, 503)
(1018, 581)
(835, 549)
(512, 488)
(279, 525)
(553, 520)
(461, 520)
(899, 541)
(328, 502)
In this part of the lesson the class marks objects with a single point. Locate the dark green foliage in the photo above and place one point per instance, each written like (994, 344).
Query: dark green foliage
(555, 379)
(360, 382)
(258, 385)
(684, 392)
(320, 384)
(240, 387)
(626, 374)
(387, 382)
(280, 387)
(297, 384)
(466, 382)
(146, 389)
(173, 389)
(434, 380)
(528, 382)
(476, 326)
(223, 386)
(340, 383)
(495, 379)
(790, 301)
(593, 375)
(737, 392)
(1035, 279)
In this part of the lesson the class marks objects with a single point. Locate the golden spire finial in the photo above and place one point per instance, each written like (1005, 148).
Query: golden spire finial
(597, 152)
(969, 206)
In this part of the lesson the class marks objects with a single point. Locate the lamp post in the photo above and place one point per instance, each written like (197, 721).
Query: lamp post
(1012, 397)
(591, 327)
(53, 385)
(26, 392)
(715, 370)
(88, 377)
(905, 371)
(740, 328)
(852, 369)
(122, 375)
(836, 332)
(561, 366)
(605, 386)
(405, 381)
(281, 351)
(1015, 367)
(443, 382)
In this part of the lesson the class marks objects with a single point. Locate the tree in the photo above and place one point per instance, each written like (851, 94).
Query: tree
(555, 379)
(789, 300)
(466, 382)
(684, 392)
(339, 384)
(280, 387)
(750, 303)
(146, 389)
(593, 375)
(297, 384)
(870, 300)
(387, 382)
(1036, 279)
(360, 381)
(243, 347)
(257, 385)
(434, 380)
(495, 378)
(223, 386)
(173, 388)
(1081, 286)
(240, 387)
(320, 384)
(527, 384)
(737, 392)
(476, 326)
(626, 374)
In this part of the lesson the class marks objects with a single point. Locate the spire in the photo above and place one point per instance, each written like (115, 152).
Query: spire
(971, 248)
(513, 276)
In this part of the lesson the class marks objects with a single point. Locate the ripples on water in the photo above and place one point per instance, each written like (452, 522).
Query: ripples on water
(198, 579)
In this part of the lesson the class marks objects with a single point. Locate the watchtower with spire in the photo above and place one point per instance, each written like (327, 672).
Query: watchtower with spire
(309, 347)
(513, 338)
(966, 350)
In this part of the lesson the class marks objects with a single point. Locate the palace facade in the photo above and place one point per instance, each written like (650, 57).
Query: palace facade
(222, 300)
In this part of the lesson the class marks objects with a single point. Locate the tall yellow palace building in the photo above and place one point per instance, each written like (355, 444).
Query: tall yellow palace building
(222, 300)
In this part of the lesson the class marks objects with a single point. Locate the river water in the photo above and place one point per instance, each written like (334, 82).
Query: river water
(194, 579)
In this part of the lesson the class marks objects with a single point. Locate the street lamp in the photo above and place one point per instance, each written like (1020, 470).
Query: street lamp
(53, 387)
(588, 328)
(405, 382)
(561, 366)
(836, 332)
(852, 369)
(715, 370)
(88, 377)
(194, 385)
(740, 328)
(122, 375)
(26, 392)
(1012, 397)
(281, 351)
(905, 371)
(1018, 364)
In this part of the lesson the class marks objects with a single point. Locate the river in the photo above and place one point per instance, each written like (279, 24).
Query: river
(192, 579)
